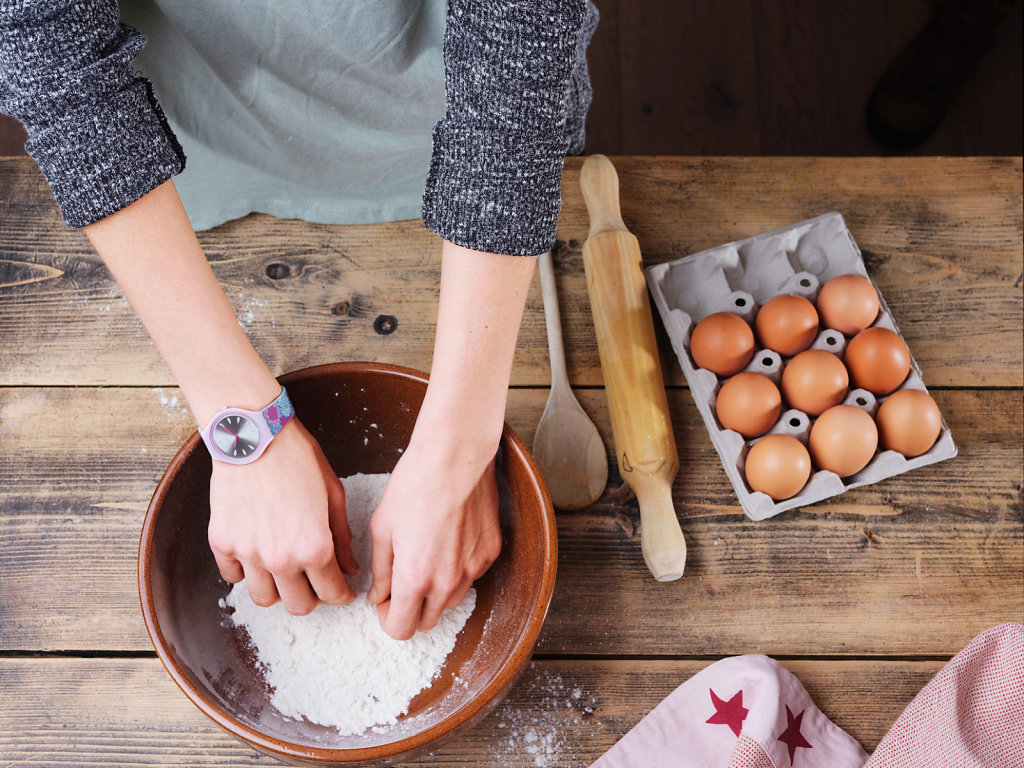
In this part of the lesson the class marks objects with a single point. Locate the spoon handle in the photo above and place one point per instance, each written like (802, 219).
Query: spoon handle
(556, 350)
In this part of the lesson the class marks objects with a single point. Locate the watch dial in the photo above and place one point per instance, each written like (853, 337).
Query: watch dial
(236, 436)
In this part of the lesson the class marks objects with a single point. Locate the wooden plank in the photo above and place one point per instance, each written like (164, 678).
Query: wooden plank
(942, 237)
(816, 66)
(121, 712)
(12, 136)
(709, 104)
(940, 548)
(792, 78)
(990, 97)
(604, 64)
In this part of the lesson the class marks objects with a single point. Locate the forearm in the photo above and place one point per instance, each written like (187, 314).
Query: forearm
(481, 306)
(154, 255)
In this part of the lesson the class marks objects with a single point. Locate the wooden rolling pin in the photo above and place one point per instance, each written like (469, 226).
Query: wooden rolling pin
(644, 443)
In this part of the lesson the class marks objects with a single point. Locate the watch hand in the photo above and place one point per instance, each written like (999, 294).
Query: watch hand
(233, 435)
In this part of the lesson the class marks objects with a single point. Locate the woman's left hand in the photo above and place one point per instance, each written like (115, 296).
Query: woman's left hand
(436, 528)
(435, 532)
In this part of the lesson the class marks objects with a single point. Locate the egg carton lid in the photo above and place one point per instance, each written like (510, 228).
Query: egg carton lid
(740, 276)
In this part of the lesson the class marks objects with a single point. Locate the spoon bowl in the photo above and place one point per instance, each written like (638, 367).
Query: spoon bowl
(567, 446)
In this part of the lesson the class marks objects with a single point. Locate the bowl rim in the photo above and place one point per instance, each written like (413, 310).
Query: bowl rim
(478, 707)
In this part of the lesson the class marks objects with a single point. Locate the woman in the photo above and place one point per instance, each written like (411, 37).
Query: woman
(516, 93)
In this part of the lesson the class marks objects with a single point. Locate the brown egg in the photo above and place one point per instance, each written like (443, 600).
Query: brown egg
(848, 303)
(814, 381)
(749, 403)
(908, 422)
(878, 360)
(723, 343)
(843, 440)
(778, 465)
(787, 324)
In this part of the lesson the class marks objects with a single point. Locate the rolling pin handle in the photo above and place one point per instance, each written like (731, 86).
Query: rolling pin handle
(661, 538)
(600, 185)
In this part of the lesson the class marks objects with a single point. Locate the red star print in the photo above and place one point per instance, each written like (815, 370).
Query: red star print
(731, 712)
(792, 737)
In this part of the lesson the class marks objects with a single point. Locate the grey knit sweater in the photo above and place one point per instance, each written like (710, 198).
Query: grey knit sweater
(516, 85)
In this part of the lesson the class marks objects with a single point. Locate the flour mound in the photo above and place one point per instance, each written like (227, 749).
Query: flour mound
(336, 666)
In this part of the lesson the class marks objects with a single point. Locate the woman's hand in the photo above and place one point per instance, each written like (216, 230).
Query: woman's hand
(434, 533)
(436, 528)
(280, 524)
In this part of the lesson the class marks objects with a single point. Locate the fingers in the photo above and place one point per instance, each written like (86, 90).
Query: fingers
(401, 615)
(230, 569)
(307, 572)
(300, 588)
(329, 584)
(300, 591)
(262, 588)
(340, 531)
(409, 612)
(398, 614)
(296, 593)
(381, 562)
(433, 607)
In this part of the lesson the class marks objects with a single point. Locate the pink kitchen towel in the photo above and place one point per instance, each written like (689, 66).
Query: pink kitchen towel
(750, 712)
(740, 712)
(970, 715)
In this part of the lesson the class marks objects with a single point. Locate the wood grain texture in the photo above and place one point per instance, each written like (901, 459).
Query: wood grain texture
(942, 237)
(940, 548)
(711, 98)
(12, 136)
(753, 78)
(870, 589)
(121, 712)
(605, 118)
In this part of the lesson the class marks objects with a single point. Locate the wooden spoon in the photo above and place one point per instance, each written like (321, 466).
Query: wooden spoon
(567, 446)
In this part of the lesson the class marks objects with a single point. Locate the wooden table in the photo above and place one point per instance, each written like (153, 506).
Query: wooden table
(863, 596)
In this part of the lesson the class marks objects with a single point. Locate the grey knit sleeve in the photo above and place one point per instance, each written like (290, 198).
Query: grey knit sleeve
(94, 126)
(495, 175)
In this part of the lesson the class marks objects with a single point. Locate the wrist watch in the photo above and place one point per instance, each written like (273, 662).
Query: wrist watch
(238, 436)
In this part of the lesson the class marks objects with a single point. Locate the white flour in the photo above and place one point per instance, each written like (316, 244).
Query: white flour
(336, 666)
(550, 723)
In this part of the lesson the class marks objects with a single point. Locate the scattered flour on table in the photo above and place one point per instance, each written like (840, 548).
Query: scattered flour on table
(548, 723)
(336, 666)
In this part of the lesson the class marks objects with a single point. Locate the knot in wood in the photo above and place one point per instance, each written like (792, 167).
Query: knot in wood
(341, 309)
(278, 271)
(385, 324)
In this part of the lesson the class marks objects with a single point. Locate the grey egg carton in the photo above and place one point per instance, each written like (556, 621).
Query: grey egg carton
(739, 277)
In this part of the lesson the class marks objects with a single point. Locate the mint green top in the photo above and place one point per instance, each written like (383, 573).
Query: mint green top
(319, 110)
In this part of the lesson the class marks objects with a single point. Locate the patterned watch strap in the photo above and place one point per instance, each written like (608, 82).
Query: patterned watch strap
(279, 412)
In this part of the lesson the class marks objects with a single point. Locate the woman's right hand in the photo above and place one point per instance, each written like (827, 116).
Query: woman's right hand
(280, 524)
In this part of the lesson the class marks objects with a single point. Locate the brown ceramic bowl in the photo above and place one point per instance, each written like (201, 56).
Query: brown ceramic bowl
(180, 587)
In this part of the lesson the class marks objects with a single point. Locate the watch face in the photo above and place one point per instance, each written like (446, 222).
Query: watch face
(236, 436)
